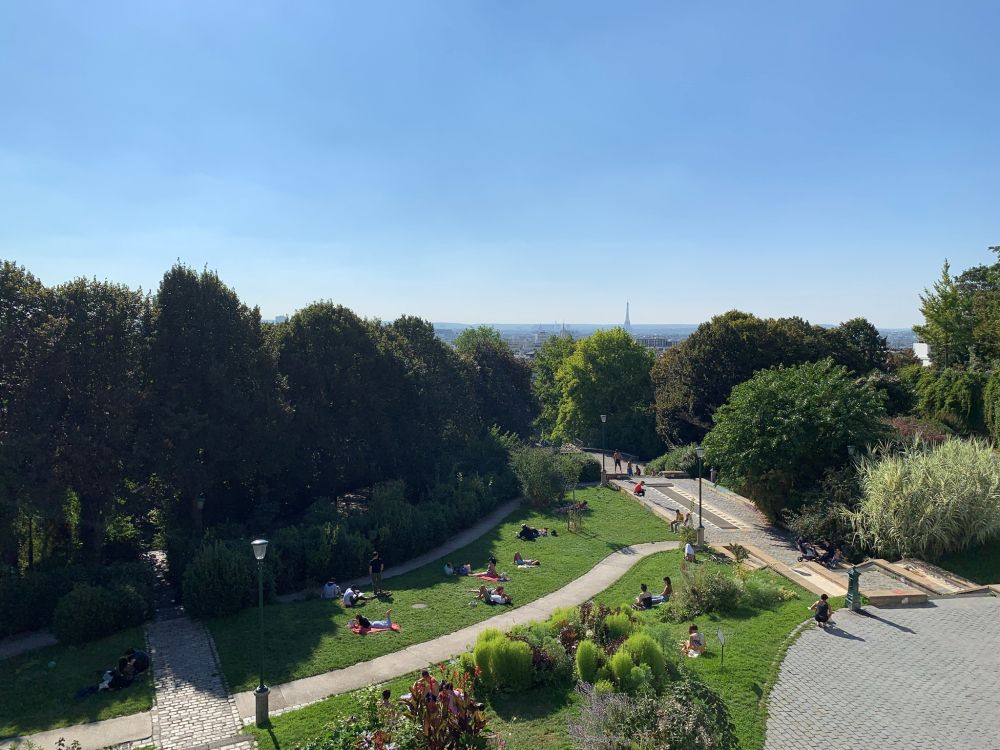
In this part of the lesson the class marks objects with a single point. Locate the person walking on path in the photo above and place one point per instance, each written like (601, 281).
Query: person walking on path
(618, 459)
(375, 568)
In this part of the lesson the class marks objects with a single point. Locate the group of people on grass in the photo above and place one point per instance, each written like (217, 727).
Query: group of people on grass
(648, 600)
(130, 665)
(825, 552)
(530, 533)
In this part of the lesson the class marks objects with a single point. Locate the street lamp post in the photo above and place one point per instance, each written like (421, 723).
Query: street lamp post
(700, 452)
(262, 692)
(604, 449)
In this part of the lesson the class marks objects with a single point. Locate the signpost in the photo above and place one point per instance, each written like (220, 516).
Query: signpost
(722, 642)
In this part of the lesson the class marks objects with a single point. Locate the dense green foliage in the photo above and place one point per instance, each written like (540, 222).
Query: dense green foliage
(930, 501)
(541, 473)
(953, 397)
(607, 373)
(682, 458)
(783, 428)
(548, 359)
(691, 380)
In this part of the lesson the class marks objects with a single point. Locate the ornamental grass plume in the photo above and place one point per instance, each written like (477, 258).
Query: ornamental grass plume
(929, 501)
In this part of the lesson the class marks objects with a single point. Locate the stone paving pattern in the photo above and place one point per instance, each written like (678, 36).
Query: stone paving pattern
(193, 707)
(901, 678)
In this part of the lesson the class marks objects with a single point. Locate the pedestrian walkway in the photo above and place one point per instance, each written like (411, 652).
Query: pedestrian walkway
(298, 693)
(900, 678)
(193, 709)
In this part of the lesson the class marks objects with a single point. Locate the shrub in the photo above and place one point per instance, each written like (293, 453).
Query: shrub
(181, 549)
(621, 667)
(539, 473)
(645, 650)
(29, 602)
(703, 591)
(588, 657)
(954, 397)
(220, 581)
(504, 663)
(617, 625)
(590, 469)
(682, 458)
(89, 612)
(928, 502)
(604, 687)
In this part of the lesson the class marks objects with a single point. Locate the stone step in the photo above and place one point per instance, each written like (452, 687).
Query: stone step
(900, 597)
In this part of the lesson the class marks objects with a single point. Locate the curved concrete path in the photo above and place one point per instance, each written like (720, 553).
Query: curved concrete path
(298, 693)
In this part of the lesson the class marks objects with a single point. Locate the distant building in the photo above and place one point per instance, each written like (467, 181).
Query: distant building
(628, 323)
(922, 352)
(280, 318)
(658, 344)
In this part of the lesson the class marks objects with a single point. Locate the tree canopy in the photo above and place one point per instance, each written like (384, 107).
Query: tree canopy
(780, 430)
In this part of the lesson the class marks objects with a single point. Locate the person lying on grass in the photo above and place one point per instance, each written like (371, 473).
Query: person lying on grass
(695, 643)
(492, 596)
(364, 622)
(518, 560)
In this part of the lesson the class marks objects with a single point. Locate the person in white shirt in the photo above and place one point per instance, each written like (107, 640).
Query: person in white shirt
(352, 597)
(331, 590)
(689, 552)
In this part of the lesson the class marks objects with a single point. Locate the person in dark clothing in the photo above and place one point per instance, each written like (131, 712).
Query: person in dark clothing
(375, 568)
(138, 659)
(645, 599)
(823, 611)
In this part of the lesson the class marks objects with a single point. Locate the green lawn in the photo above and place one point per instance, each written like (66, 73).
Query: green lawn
(979, 564)
(756, 641)
(311, 637)
(37, 696)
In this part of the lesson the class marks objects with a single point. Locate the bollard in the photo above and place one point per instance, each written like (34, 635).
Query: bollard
(261, 698)
(853, 601)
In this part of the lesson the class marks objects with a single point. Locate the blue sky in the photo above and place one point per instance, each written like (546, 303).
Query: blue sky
(507, 161)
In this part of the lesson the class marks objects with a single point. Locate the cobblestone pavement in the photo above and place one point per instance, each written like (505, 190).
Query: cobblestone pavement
(900, 678)
(193, 710)
(193, 707)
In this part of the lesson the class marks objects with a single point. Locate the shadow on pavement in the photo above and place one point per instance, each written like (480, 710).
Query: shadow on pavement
(873, 616)
(840, 633)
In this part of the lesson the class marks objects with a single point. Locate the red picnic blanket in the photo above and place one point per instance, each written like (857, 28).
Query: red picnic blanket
(486, 576)
(355, 628)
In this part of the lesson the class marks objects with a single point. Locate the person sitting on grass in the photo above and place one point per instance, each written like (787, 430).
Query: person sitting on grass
(645, 599)
(823, 611)
(464, 570)
(449, 569)
(528, 533)
(695, 643)
(678, 521)
(364, 622)
(668, 591)
(518, 560)
(491, 568)
(352, 597)
(640, 489)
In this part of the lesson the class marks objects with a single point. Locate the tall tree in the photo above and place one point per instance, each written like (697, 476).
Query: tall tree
(608, 373)
(948, 322)
(550, 357)
(96, 372)
(780, 430)
(212, 412)
(858, 346)
(501, 382)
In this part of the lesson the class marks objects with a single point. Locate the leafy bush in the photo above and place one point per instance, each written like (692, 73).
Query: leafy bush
(621, 668)
(503, 663)
(181, 549)
(617, 625)
(539, 473)
(907, 430)
(645, 650)
(682, 458)
(702, 591)
(688, 715)
(928, 502)
(588, 657)
(88, 612)
(590, 469)
(954, 397)
(222, 580)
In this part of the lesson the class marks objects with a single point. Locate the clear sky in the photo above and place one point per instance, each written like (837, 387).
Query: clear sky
(507, 161)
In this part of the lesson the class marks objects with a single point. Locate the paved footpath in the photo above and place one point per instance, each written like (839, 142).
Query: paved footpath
(298, 693)
(899, 678)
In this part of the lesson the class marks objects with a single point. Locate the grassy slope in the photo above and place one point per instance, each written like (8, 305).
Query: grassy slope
(538, 718)
(36, 697)
(979, 564)
(311, 637)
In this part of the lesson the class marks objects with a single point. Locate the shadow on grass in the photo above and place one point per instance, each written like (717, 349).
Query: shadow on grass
(532, 704)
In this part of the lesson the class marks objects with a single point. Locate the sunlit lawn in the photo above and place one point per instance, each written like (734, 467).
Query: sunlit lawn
(311, 637)
(36, 696)
(539, 718)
